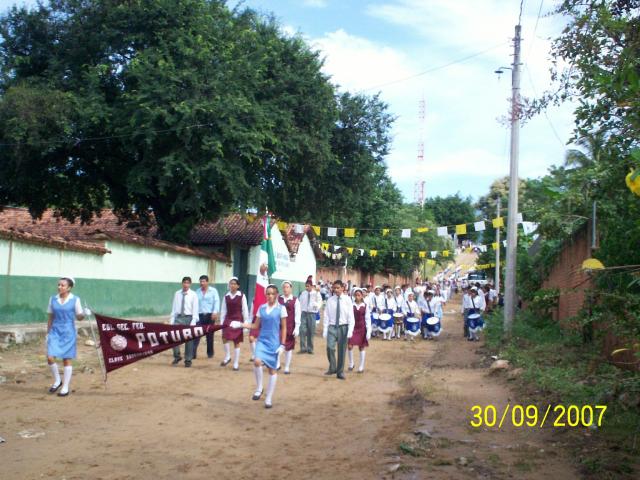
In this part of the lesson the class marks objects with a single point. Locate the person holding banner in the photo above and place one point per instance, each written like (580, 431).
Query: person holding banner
(234, 308)
(64, 308)
(270, 320)
(184, 312)
(292, 305)
(361, 329)
(209, 306)
(338, 328)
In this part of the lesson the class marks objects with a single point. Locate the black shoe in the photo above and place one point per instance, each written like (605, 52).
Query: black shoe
(329, 372)
(187, 364)
(209, 356)
(350, 369)
(341, 376)
(268, 405)
(287, 373)
(60, 394)
(176, 361)
(279, 368)
(55, 388)
(310, 352)
(235, 369)
(256, 396)
(194, 357)
(225, 363)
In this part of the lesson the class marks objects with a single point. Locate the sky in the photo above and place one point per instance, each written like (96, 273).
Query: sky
(385, 46)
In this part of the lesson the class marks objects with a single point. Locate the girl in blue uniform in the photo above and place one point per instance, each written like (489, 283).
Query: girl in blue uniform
(63, 310)
(271, 320)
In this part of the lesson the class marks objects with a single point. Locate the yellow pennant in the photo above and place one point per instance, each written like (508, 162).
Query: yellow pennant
(445, 253)
(422, 230)
(461, 229)
(325, 246)
(385, 232)
(402, 254)
(373, 253)
(282, 226)
(316, 230)
(431, 262)
(350, 232)
(498, 222)
(422, 254)
(494, 245)
(350, 250)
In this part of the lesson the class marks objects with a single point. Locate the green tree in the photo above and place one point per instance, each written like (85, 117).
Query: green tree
(183, 109)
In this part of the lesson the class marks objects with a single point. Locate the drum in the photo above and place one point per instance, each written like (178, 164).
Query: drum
(397, 318)
(385, 321)
(375, 321)
(412, 326)
(425, 318)
(433, 326)
(475, 322)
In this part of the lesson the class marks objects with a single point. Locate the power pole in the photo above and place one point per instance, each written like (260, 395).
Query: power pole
(497, 280)
(510, 297)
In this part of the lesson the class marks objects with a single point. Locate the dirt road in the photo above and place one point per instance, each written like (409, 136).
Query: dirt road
(157, 421)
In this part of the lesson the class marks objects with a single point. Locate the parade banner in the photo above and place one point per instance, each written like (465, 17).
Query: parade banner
(124, 341)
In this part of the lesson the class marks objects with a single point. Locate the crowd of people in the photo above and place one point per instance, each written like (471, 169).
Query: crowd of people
(350, 316)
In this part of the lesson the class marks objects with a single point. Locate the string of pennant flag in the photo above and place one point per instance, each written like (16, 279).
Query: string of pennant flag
(336, 251)
(444, 231)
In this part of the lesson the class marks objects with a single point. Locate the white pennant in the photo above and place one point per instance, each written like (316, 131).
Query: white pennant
(442, 231)
(332, 232)
(479, 226)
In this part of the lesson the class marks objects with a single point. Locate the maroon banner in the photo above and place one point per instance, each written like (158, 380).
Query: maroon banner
(125, 341)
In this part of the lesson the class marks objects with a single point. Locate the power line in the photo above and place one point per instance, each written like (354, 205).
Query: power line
(440, 67)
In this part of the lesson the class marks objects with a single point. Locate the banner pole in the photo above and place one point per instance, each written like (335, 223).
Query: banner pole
(98, 351)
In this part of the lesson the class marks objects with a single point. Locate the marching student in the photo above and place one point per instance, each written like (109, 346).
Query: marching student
(386, 319)
(63, 310)
(361, 329)
(376, 305)
(184, 311)
(270, 320)
(474, 317)
(234, 308)
(208, 308)
(411, 312)
(338, 328)
(466, 306)
(310, 302)
(431, 324)
(292, 305)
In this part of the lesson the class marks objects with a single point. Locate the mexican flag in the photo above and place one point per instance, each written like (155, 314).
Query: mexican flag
(266, 266)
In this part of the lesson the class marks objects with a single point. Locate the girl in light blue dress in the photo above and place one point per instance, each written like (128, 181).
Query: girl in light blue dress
(271, 320)
(63, 310)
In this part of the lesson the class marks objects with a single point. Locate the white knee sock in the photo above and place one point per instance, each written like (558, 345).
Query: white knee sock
(56, 374)
(350, 353)
(66, 375)
(258, 373)
(236, 357)
(278, 362)
(273, 379)
(362, 355)
(253, 350)
(227, 352)
(287, 362)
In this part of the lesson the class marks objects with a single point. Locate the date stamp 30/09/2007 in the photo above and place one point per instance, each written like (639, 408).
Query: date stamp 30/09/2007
(531, 416)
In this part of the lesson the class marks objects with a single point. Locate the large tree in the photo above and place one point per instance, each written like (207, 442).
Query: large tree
(182, 108)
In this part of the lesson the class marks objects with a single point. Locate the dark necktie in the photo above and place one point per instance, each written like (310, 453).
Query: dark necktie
(338, 311)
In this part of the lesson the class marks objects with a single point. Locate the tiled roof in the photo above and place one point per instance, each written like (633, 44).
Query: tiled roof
(236, 228)
(52, 230)
(56, 242)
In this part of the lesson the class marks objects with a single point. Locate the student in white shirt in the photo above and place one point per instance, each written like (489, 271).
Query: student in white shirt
(338, 327)
(184, 311)
(310, 301)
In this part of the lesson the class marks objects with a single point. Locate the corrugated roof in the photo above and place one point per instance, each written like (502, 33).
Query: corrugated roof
(55, 231)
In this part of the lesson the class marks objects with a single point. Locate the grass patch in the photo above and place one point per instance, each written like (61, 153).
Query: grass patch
(558, 368)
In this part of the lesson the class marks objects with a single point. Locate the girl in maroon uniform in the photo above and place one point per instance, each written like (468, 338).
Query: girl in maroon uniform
(293, 322)
(362, 329)
(234, 308)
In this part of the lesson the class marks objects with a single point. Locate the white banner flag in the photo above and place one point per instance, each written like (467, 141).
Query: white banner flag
(478, 226)
(336, 248)
(529, 227)
(442, 231)
(519, 218)
(332, 232)
(504, 242)
(406, 233)
(434, 254)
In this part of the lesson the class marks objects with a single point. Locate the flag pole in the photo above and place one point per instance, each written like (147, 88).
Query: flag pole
(96, 345)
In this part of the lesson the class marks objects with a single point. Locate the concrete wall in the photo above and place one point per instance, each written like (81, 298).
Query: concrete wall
(131, 281)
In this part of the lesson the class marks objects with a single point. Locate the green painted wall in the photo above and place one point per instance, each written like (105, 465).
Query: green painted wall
(25, 299)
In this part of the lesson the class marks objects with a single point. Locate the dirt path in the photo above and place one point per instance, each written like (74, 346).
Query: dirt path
(157, 421)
